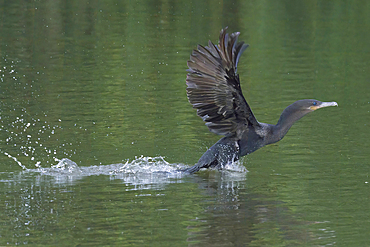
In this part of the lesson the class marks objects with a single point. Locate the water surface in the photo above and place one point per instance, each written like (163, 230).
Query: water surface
(103, 85)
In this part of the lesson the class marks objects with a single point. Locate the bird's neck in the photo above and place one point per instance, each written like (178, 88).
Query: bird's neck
(287, 118)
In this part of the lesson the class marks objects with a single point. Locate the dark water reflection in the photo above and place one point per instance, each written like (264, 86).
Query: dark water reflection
(101, 84)
(208, 209)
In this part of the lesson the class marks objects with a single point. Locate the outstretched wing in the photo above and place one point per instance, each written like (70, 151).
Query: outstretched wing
(214, 87)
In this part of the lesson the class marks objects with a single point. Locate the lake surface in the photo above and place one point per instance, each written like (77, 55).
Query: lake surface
(95, 122)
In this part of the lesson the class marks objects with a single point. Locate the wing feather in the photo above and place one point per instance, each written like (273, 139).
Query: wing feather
(214, 87)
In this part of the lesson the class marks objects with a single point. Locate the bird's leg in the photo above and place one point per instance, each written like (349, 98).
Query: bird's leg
(223, 152)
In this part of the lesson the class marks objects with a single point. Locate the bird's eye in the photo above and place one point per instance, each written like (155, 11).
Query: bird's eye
(314, 103)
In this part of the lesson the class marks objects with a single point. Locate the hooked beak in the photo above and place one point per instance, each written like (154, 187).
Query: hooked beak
(323, 104)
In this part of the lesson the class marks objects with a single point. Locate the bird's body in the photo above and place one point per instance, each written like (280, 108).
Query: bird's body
(214, 90)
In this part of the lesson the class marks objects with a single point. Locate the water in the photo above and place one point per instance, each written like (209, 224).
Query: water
(94, 124)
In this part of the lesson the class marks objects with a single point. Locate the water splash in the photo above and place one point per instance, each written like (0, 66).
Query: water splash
(137, 166)
(236, 167)
(16, 160)
(142, 172)
(149, 165)
(26, 136)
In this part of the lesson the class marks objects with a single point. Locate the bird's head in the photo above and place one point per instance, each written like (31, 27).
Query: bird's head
(300, 108)
(313, 104)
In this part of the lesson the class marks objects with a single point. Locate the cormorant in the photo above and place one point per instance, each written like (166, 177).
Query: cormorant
(213, 88)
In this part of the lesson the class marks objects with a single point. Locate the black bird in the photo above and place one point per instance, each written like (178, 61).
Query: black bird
(213, 88)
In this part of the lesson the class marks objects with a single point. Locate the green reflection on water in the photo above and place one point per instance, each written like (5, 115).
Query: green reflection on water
(102, 83)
